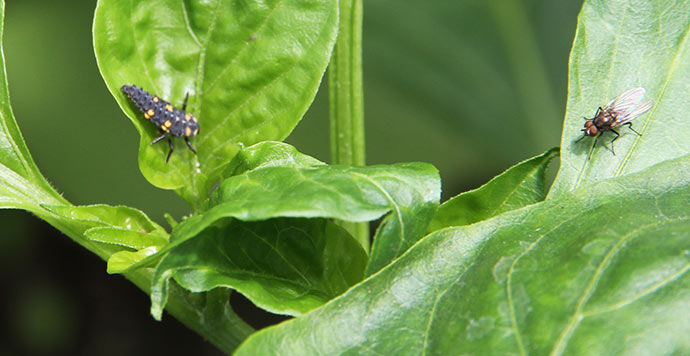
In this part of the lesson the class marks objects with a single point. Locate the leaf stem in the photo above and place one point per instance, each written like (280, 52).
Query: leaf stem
(346, 100)
(226, 330)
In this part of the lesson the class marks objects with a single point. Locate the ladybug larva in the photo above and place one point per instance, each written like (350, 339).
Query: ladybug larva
(170, 120)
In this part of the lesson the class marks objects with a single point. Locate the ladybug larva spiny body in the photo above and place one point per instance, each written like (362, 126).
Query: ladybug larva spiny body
(169, 120)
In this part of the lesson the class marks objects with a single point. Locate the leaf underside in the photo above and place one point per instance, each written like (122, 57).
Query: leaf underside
(246, 208)
(520, 185)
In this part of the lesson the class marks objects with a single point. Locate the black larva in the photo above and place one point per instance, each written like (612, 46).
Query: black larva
(170, 120)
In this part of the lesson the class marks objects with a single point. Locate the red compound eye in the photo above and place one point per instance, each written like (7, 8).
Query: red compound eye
(592, 131)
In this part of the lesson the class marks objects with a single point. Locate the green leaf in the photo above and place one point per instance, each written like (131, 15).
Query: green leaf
(410, 191)
(251, 70)
(287, 266)
(520, 185)
(304, 188)
(269, 154)
(109, 230)
(121, 260)
(18, 192)
(124, 237)
(599, 271)
(118, 226)
(101, 215)
(23, 187)
(617, 47)
(345, 193)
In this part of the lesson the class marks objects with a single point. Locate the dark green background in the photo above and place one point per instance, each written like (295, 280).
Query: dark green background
(471, 87)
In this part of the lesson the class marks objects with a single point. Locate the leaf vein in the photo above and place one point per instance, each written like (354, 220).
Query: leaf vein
(188, 24)
(509, 280)
(651, 289)
(394, 205)
(672, 69)
(589, 290)
(232, 61)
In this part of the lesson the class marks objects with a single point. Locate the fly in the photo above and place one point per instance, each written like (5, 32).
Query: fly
(618, 112)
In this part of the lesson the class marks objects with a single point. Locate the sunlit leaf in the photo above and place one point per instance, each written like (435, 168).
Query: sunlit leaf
(269, 154)
(599, 271)
(620, 45)
(251, 70)
(101, 215)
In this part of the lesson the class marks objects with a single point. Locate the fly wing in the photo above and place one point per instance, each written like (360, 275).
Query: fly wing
(634, 113)
(626, 102)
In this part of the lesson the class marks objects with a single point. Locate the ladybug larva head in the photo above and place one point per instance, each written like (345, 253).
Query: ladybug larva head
(131, 90)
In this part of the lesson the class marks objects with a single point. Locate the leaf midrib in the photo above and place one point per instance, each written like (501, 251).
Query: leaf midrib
(667, 79)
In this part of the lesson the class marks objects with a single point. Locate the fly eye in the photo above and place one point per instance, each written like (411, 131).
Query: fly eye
(588, 123)
(592, 130)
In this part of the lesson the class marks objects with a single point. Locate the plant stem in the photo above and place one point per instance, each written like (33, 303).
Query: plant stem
(346, 99)
(225, 330)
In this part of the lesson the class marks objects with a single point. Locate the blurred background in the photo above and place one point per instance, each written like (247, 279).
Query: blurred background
(470, 86)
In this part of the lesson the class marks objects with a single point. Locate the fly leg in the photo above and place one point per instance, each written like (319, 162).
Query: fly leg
(630, 127)
(618, 135)
(596, 139)
(615, 138)
(595, 115)
(580, 139)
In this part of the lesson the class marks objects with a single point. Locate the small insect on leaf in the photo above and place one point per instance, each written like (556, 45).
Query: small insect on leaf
(620, 111)
(171, 122)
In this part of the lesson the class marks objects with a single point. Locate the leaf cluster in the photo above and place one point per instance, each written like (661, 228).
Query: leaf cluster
(596, 264)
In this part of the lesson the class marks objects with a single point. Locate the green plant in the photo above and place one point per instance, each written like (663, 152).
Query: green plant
(596, 264)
